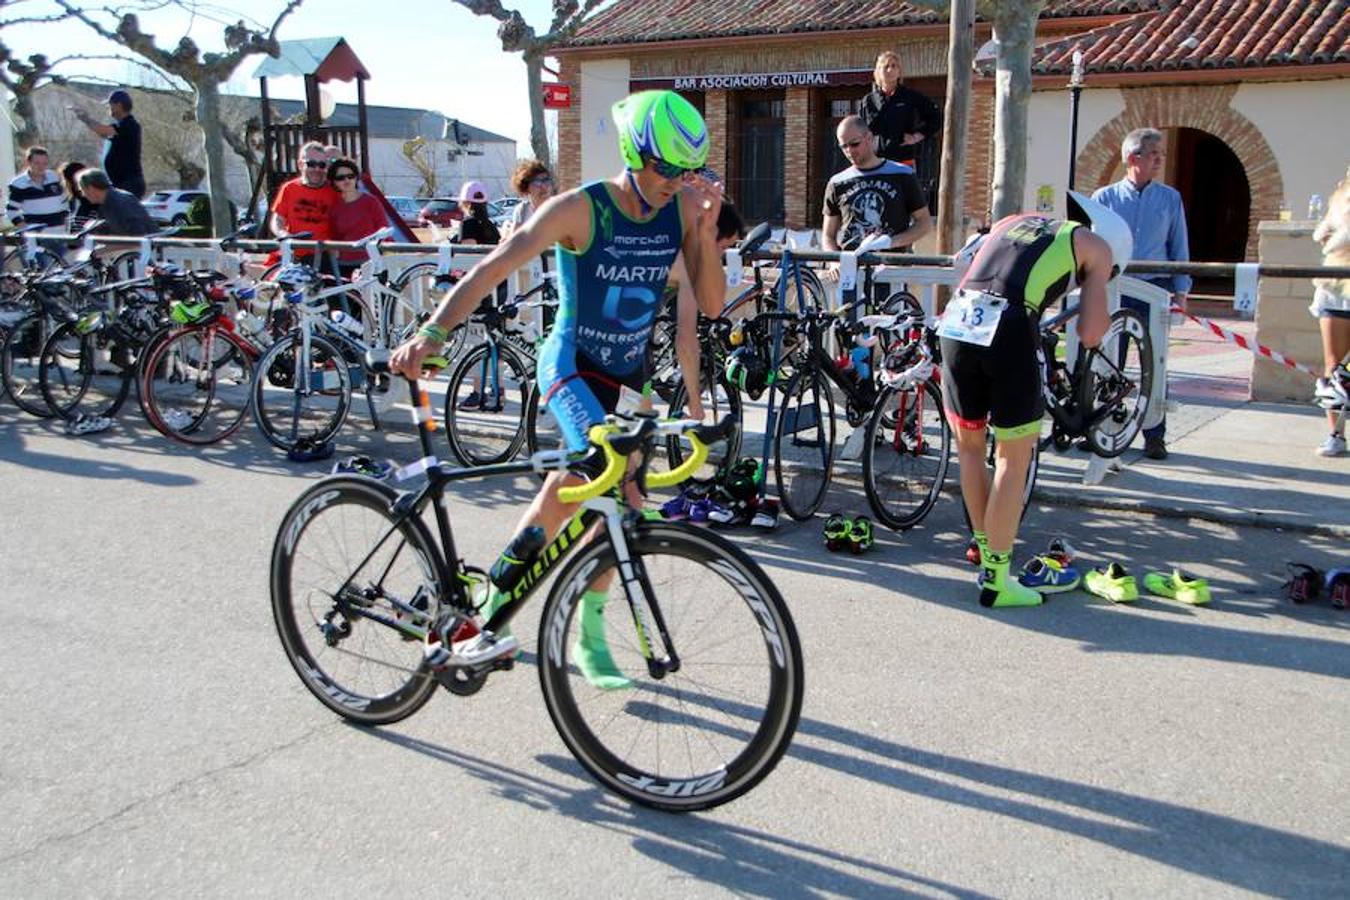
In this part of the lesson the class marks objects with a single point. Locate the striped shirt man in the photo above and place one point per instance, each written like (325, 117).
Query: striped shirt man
(36, 198)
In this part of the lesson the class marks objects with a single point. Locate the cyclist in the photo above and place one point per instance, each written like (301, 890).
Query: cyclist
(615, 241)
(990, 370)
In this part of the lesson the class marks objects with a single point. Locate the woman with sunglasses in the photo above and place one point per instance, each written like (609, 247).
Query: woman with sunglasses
(533, 183)
(356, 215)
(615, 242)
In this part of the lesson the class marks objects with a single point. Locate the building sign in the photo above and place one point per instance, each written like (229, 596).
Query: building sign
(756, 81)
(557, 96)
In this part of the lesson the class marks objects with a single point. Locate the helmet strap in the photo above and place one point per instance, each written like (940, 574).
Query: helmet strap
(642, 200)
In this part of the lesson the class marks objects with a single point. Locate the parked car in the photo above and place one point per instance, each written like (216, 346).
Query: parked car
(499, 211)
(442, 212)
(170, 207)
(407, 208)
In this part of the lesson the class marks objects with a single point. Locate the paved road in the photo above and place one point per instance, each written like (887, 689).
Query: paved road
(156, 743)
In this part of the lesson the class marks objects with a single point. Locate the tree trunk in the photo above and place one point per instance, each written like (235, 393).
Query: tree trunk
(956, 130)
(534, 76)
(1015, 32)
(208, 116)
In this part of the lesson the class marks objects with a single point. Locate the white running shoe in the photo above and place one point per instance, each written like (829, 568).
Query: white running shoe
(1334, 445)
(177, 419)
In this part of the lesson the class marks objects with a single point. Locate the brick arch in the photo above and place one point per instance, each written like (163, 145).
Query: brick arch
(1205, 108)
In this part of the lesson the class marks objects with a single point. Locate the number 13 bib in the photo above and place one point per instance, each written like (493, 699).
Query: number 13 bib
(972, 318)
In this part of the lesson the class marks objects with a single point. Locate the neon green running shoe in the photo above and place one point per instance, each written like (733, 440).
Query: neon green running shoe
(837, 529)
(591, 651)
(860, 535)
(1178, 586)
(1113, 583)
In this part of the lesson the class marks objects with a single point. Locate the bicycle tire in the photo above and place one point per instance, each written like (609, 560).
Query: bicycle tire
(1106, 376)
(73, 379)
(185, 400)
(20, 361)
(327, 368)
(803, 480)
(352, 513)
(922, 448)
(737, 712)
(494, 433)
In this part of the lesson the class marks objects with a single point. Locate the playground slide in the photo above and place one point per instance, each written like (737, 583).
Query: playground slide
(405, 234)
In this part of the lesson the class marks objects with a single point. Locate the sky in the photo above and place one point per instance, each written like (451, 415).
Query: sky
(429, 54)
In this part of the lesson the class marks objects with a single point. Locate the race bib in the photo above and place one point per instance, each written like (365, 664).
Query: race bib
(630, 401)
(972, 318)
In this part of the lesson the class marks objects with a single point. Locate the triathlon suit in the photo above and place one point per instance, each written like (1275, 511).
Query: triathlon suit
(1028, 262)
(609, 294)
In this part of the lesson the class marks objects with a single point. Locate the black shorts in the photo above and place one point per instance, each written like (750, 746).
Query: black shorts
(998, 385)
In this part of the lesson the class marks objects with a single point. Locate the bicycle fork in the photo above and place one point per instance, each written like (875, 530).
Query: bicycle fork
(637, 588)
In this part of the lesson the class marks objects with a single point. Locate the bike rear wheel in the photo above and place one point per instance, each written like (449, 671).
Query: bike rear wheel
(87, 374)
(905, 456)
(20, 363)
(1115, 384)
(706, 732)
(337, 619)
(804, 444)
(719, 399)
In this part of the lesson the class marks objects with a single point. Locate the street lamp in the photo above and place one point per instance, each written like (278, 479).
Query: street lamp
(1075, 89)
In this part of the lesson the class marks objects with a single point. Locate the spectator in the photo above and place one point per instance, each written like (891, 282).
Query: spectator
(331, 152)
(120, 210)
(900, 118)
(1331, 305)
(532, 181)
(874, 198)
(122, 150)
(305, 203)
(356, 215)
(477, 228)
(80, 209)
(1158, 223)
(35, 195)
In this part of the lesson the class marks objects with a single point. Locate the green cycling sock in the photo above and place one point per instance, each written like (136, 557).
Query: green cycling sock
(997, 587)
(591, 650)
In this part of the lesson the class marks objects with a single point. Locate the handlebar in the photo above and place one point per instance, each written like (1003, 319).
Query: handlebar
(616, 444)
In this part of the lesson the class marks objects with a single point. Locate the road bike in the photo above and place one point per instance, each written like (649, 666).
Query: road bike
(358, 581)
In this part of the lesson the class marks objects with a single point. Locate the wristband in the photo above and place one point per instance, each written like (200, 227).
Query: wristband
(434, 332)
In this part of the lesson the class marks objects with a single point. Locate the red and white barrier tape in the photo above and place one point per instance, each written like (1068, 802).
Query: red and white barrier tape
(1249, 346)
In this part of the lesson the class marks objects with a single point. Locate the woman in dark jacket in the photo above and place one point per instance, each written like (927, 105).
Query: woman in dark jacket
(899, 117)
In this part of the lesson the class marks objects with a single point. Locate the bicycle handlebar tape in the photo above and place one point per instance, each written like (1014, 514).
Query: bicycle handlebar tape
(685, 469)
(614, 469)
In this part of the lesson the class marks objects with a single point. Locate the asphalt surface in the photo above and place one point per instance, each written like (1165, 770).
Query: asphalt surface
(156, 743)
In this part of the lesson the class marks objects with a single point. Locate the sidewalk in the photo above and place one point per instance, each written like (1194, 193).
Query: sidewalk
(1231, 460)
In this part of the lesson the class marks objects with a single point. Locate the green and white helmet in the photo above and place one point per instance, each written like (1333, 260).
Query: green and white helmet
(661, 125)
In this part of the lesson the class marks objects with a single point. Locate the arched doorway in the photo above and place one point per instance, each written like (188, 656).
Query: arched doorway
(1218, 200)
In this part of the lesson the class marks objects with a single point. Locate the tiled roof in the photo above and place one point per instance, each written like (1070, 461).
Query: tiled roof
(642, 21)
(1209, 34)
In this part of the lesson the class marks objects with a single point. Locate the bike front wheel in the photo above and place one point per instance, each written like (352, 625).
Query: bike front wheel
(197, 384)
(804, 444)
(298, 395)
(706, 732)
(486, 402)
(345, 577)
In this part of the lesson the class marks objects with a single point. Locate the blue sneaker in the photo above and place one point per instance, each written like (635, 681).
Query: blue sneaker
(1048, 575)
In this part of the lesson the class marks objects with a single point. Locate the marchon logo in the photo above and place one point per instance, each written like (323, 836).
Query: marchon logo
(307, 513)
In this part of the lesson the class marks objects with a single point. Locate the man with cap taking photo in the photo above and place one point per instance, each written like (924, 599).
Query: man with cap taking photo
(122, 148)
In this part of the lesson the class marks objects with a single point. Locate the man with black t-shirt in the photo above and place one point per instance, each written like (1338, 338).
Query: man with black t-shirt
(873, 198)
(122, 152)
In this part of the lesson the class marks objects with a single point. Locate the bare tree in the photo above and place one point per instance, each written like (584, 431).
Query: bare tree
(421, 156)
(1014, 34)
(170, 135)
(519, 37)
(205, 72)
